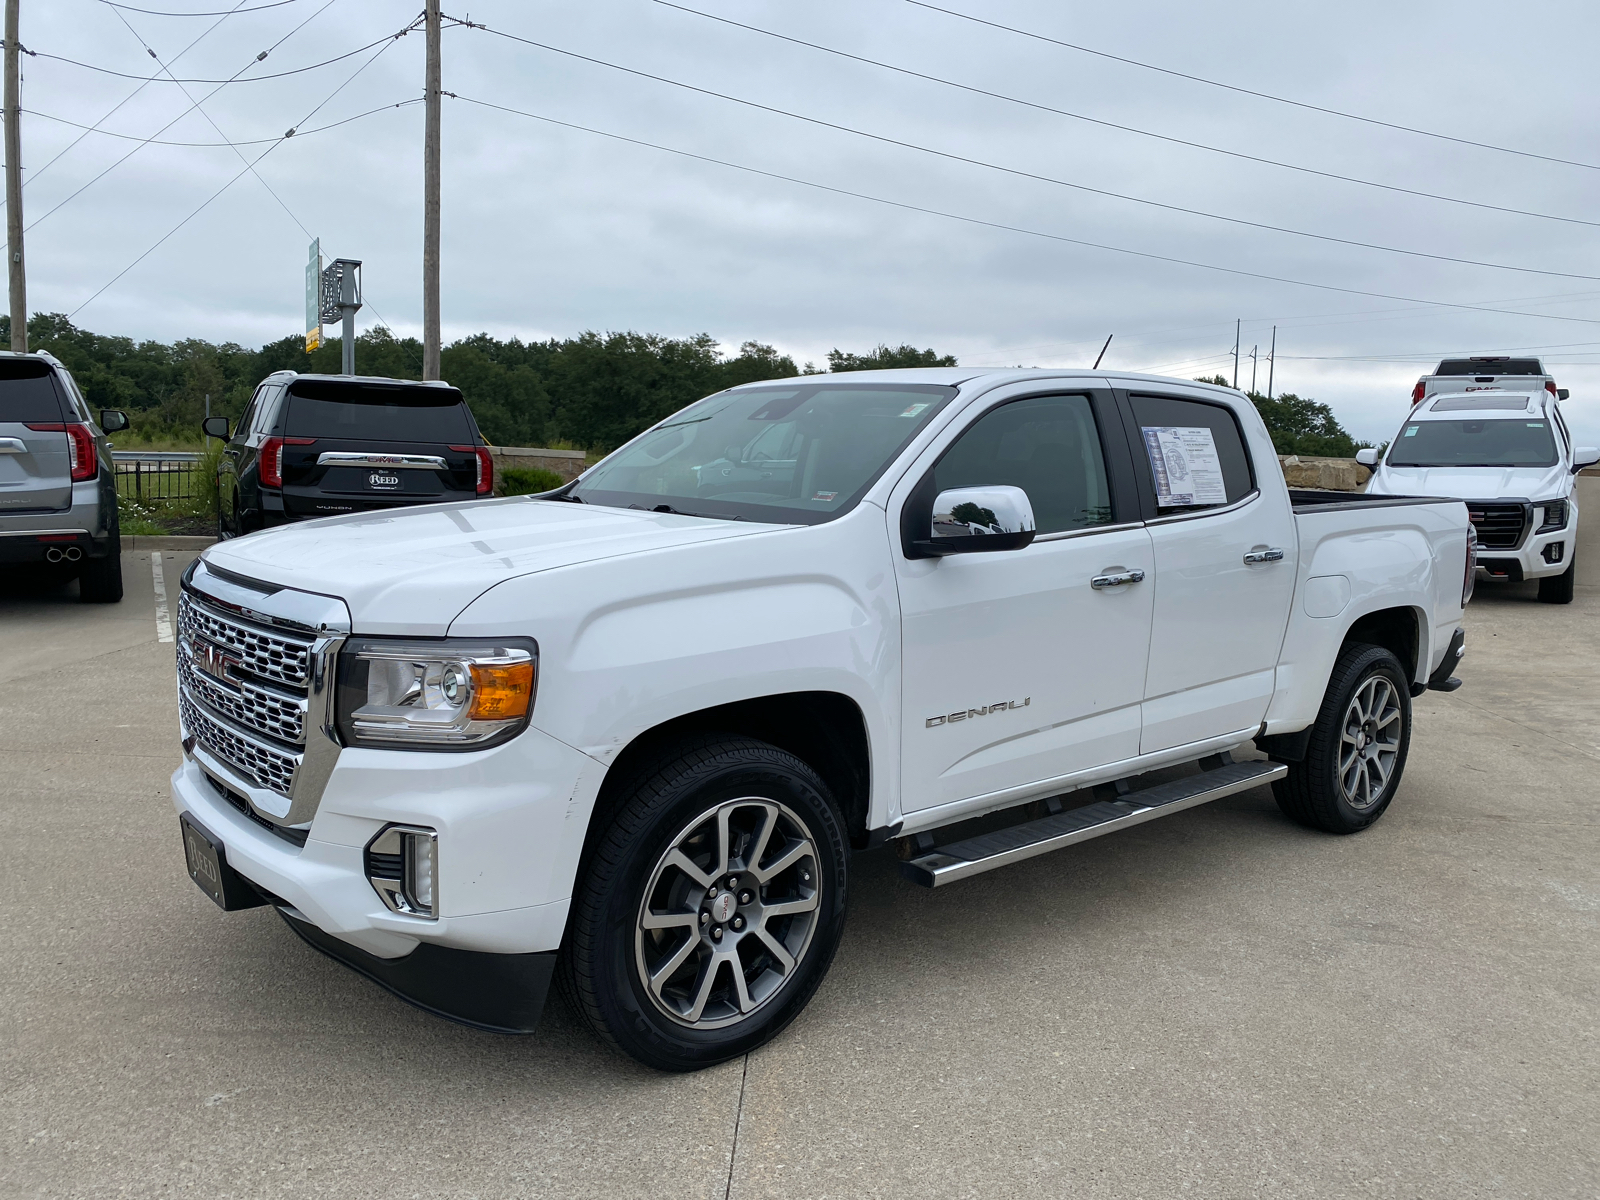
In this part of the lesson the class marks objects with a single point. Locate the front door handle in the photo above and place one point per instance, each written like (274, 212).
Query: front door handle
(1116, 579)
(1261, 556)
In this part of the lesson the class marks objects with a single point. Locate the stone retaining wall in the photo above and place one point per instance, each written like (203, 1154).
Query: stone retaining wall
(1329, 474)
(568, 464)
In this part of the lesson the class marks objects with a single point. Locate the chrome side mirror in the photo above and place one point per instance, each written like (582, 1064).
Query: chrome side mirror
(976, 519)
(1367, 457)
(1584, 456)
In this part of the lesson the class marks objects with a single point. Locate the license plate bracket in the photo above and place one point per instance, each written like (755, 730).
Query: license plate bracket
(207, 861)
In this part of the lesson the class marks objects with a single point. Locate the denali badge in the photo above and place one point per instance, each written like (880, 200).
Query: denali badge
(952, 718)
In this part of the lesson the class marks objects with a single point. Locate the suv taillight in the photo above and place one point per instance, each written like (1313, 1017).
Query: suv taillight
(485, 466)
(1418, 392)
(272, 458)
(80, 446)
(1550, 386)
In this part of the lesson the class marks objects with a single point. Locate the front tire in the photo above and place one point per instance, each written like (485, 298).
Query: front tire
(711, 907)
(1557, 589)
(1358, 746)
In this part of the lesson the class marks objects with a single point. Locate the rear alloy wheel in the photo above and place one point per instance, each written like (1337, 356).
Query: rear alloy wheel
(710, 908)
(1357, 751)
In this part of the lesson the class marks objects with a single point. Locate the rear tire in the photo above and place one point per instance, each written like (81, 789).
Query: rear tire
(100, 579)
(1358, 746)
(710, 909)
(1557, 589)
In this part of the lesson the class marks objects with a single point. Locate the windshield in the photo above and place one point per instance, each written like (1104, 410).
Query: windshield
(1474, 444)
(796, 455)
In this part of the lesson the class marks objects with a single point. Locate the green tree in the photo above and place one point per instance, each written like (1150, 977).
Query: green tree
(884, 358)
(1299, 424)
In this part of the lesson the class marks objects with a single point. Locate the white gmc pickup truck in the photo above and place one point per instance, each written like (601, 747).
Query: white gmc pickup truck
(627, 734)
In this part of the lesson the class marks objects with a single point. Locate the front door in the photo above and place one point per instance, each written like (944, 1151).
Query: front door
(1017, 670)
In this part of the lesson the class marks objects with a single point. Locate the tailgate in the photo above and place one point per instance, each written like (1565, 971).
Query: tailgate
(35, 464)
(326, 475)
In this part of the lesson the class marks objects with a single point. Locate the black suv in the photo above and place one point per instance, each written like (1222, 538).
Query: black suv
(320, 445)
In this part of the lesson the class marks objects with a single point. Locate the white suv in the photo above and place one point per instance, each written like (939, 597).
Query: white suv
(1509, 455)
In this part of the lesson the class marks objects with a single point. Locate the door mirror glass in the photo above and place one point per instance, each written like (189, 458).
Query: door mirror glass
(216, 427)
(1367, 457)
(1584, 456)
(1562, 393)
(971, 519)
(113, 420)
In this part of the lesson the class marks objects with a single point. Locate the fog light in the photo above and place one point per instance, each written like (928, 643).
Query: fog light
(402, 865)
(1554, 551)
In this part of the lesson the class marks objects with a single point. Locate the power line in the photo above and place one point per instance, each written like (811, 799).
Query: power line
(1021, 174)
(1177, 141)
(129, 137)
(1333, 112)
(34, 174)
(152, 12)
(248, 167)
(253, 79)
(1054, 237)
(210, 120)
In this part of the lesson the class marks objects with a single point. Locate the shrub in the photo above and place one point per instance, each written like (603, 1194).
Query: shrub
(522, 481)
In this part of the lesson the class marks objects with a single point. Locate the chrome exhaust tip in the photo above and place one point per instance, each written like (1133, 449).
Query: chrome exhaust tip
(72, 553)
(53, 554)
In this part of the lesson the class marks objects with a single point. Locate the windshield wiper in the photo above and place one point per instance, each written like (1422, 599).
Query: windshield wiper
(678, 512)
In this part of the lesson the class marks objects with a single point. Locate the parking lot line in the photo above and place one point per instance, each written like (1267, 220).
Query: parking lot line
(163, 621)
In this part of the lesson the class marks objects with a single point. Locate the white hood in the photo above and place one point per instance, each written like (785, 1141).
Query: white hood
(412, 570)
(1473, 483)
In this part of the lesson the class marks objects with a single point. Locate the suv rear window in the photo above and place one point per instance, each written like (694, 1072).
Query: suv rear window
(324, 409)
(27, 393)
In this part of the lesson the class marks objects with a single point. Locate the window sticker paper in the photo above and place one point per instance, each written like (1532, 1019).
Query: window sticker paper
(1185, 463)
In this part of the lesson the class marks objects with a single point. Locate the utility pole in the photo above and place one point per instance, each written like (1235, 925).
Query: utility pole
(1236, 325)
(1253, 350)
(1272, 360)
(430, 202)
(13, 101)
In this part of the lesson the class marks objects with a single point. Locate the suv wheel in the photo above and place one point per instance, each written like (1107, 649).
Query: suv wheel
(1358, 746)
(100, 579)
(711, 906)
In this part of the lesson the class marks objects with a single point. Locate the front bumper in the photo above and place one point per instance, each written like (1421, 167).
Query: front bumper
(510, 821)
(1532, 559)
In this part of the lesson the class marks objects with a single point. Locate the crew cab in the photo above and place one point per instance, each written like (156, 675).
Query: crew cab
(628, 733)
(314, 445)
(1507, 453)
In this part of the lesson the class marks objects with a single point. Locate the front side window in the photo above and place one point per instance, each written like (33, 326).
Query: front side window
(1496, 443)
(1195, 453)
(799, 454)
(1049, 446)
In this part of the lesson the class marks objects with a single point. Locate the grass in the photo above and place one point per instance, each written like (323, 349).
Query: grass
(521, 481)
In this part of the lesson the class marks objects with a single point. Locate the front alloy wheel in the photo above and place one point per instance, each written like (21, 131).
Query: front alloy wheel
(728, 914)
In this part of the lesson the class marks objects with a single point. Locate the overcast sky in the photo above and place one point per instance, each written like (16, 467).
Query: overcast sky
(550, 230)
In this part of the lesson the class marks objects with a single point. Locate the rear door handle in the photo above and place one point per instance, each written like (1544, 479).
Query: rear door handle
(1116, 579)
(1261, 556)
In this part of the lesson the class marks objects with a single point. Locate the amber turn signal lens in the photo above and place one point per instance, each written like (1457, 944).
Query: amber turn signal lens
(501, 693)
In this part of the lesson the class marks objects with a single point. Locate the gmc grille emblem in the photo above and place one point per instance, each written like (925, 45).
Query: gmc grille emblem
(212, 660)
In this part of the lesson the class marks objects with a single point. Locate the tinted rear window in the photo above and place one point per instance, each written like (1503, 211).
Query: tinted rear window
(1499, 366)
(322, 409)
(27, 393)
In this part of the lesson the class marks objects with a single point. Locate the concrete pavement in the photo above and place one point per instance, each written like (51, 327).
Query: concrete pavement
(1218, 1004)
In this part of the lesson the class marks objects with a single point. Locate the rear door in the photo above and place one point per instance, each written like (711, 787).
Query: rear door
(35, 463)
(355, 446)
(1225, 560)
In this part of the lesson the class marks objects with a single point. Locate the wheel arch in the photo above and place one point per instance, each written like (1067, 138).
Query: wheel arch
(826, 730)
(1398, 630)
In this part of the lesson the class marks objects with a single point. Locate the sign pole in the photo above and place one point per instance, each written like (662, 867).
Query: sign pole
(13, 103)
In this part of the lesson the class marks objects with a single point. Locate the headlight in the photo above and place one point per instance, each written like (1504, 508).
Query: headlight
(444, 695)
(1555, 516)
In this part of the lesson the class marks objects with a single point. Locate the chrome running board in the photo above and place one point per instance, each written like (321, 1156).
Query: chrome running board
(975, 855)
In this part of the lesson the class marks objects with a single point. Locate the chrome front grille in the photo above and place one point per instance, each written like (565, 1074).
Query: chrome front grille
(242, 692)
(270, 767)
(251, 705)
(269, 655)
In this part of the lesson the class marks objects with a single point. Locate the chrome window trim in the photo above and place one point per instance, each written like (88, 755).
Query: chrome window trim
(1063, 534)
(1249, 497)
(375, 458)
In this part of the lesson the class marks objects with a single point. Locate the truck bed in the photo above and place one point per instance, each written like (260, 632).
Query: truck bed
(1313, 500)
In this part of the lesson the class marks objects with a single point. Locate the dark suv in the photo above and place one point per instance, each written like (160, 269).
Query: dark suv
(320, 445)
